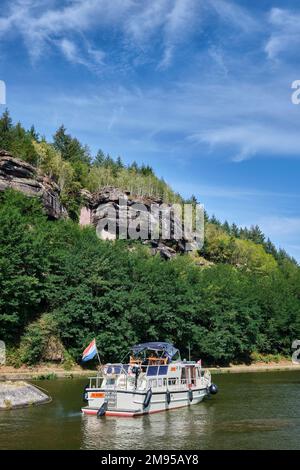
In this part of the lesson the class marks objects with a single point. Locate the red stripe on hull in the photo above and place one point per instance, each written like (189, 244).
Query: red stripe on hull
(123, 414)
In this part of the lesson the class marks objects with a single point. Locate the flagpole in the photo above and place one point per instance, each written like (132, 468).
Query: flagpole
(98, 355)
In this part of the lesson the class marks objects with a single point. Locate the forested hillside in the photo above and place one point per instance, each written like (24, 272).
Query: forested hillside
(60, 285)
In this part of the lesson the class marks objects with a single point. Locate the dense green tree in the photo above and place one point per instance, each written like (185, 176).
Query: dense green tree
(23, 262)
(99, 159)
(6, 127)
(70, 148)
(16, 140)
(58, 278)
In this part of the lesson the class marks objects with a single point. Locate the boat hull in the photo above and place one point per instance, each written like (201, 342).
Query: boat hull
(131, 404)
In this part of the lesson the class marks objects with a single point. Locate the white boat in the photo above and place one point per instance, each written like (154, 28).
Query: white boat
(155, 379)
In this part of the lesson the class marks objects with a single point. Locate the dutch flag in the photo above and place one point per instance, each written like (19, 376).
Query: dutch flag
(90, 352)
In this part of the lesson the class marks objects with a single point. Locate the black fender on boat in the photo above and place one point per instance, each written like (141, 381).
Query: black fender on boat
(147, 399)
(102, 410)
(168, 396)
(85, 393)
(213, 389)
(191, 395)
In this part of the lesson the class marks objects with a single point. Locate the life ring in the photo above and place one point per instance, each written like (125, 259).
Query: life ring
(147, 399)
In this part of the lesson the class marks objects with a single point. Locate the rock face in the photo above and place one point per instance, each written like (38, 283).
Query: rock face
(22, 176)
(20, 394)
(114, 212)
(145, 218)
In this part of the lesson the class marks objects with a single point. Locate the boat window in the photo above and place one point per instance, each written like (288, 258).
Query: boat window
(152, 370)
(193, 375)
(163, 370)
(172, 381)
(165, 382)
(159, 382)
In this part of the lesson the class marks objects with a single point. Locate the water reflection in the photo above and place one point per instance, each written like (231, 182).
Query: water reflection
(177, 429)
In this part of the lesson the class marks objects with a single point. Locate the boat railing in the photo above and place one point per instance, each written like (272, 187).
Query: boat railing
(150, 372)
(107, 371)
(95, 381)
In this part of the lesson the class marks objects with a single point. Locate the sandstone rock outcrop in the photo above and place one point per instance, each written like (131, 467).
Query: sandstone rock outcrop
(21, 176)
(108, 205)
(104, 209)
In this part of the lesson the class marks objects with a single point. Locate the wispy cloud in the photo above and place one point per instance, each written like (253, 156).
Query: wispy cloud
(250, 139)
(285, 35)
(180, 22)
(278, 226)
(227, 120)
(142, 25)
(90, 58)
(233, 192)
(236, 15)
(46, 24)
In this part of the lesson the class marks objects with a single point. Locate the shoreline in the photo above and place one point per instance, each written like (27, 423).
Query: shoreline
(47, 372)
(255, 367)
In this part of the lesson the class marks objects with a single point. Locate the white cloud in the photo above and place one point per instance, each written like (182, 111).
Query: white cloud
(235, 15)
(42, 24)
(179, 24)
(228, 192)
(143, 24)
(285, 36)
(91, 58)
(232, 120)
(70, 50)
(251, 139)
(281, 226)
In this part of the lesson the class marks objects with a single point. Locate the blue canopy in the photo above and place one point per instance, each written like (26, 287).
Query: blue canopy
(169, 350)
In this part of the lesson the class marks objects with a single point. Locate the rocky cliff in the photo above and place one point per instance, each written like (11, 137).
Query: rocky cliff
(108, 205)
(22, 176)
(105, 205)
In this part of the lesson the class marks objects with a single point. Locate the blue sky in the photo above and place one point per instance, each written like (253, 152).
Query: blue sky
(199, 89)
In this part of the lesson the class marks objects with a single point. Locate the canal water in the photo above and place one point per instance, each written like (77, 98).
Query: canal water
(251, 411)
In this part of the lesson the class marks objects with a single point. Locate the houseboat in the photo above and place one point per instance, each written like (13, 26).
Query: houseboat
(155, 379)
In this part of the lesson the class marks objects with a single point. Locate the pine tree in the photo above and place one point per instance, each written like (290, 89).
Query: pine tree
(235, 231)
(34, 135)
(119, 163)
(226, 227)
(99, 159)
(6, 127)
(70, 148)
